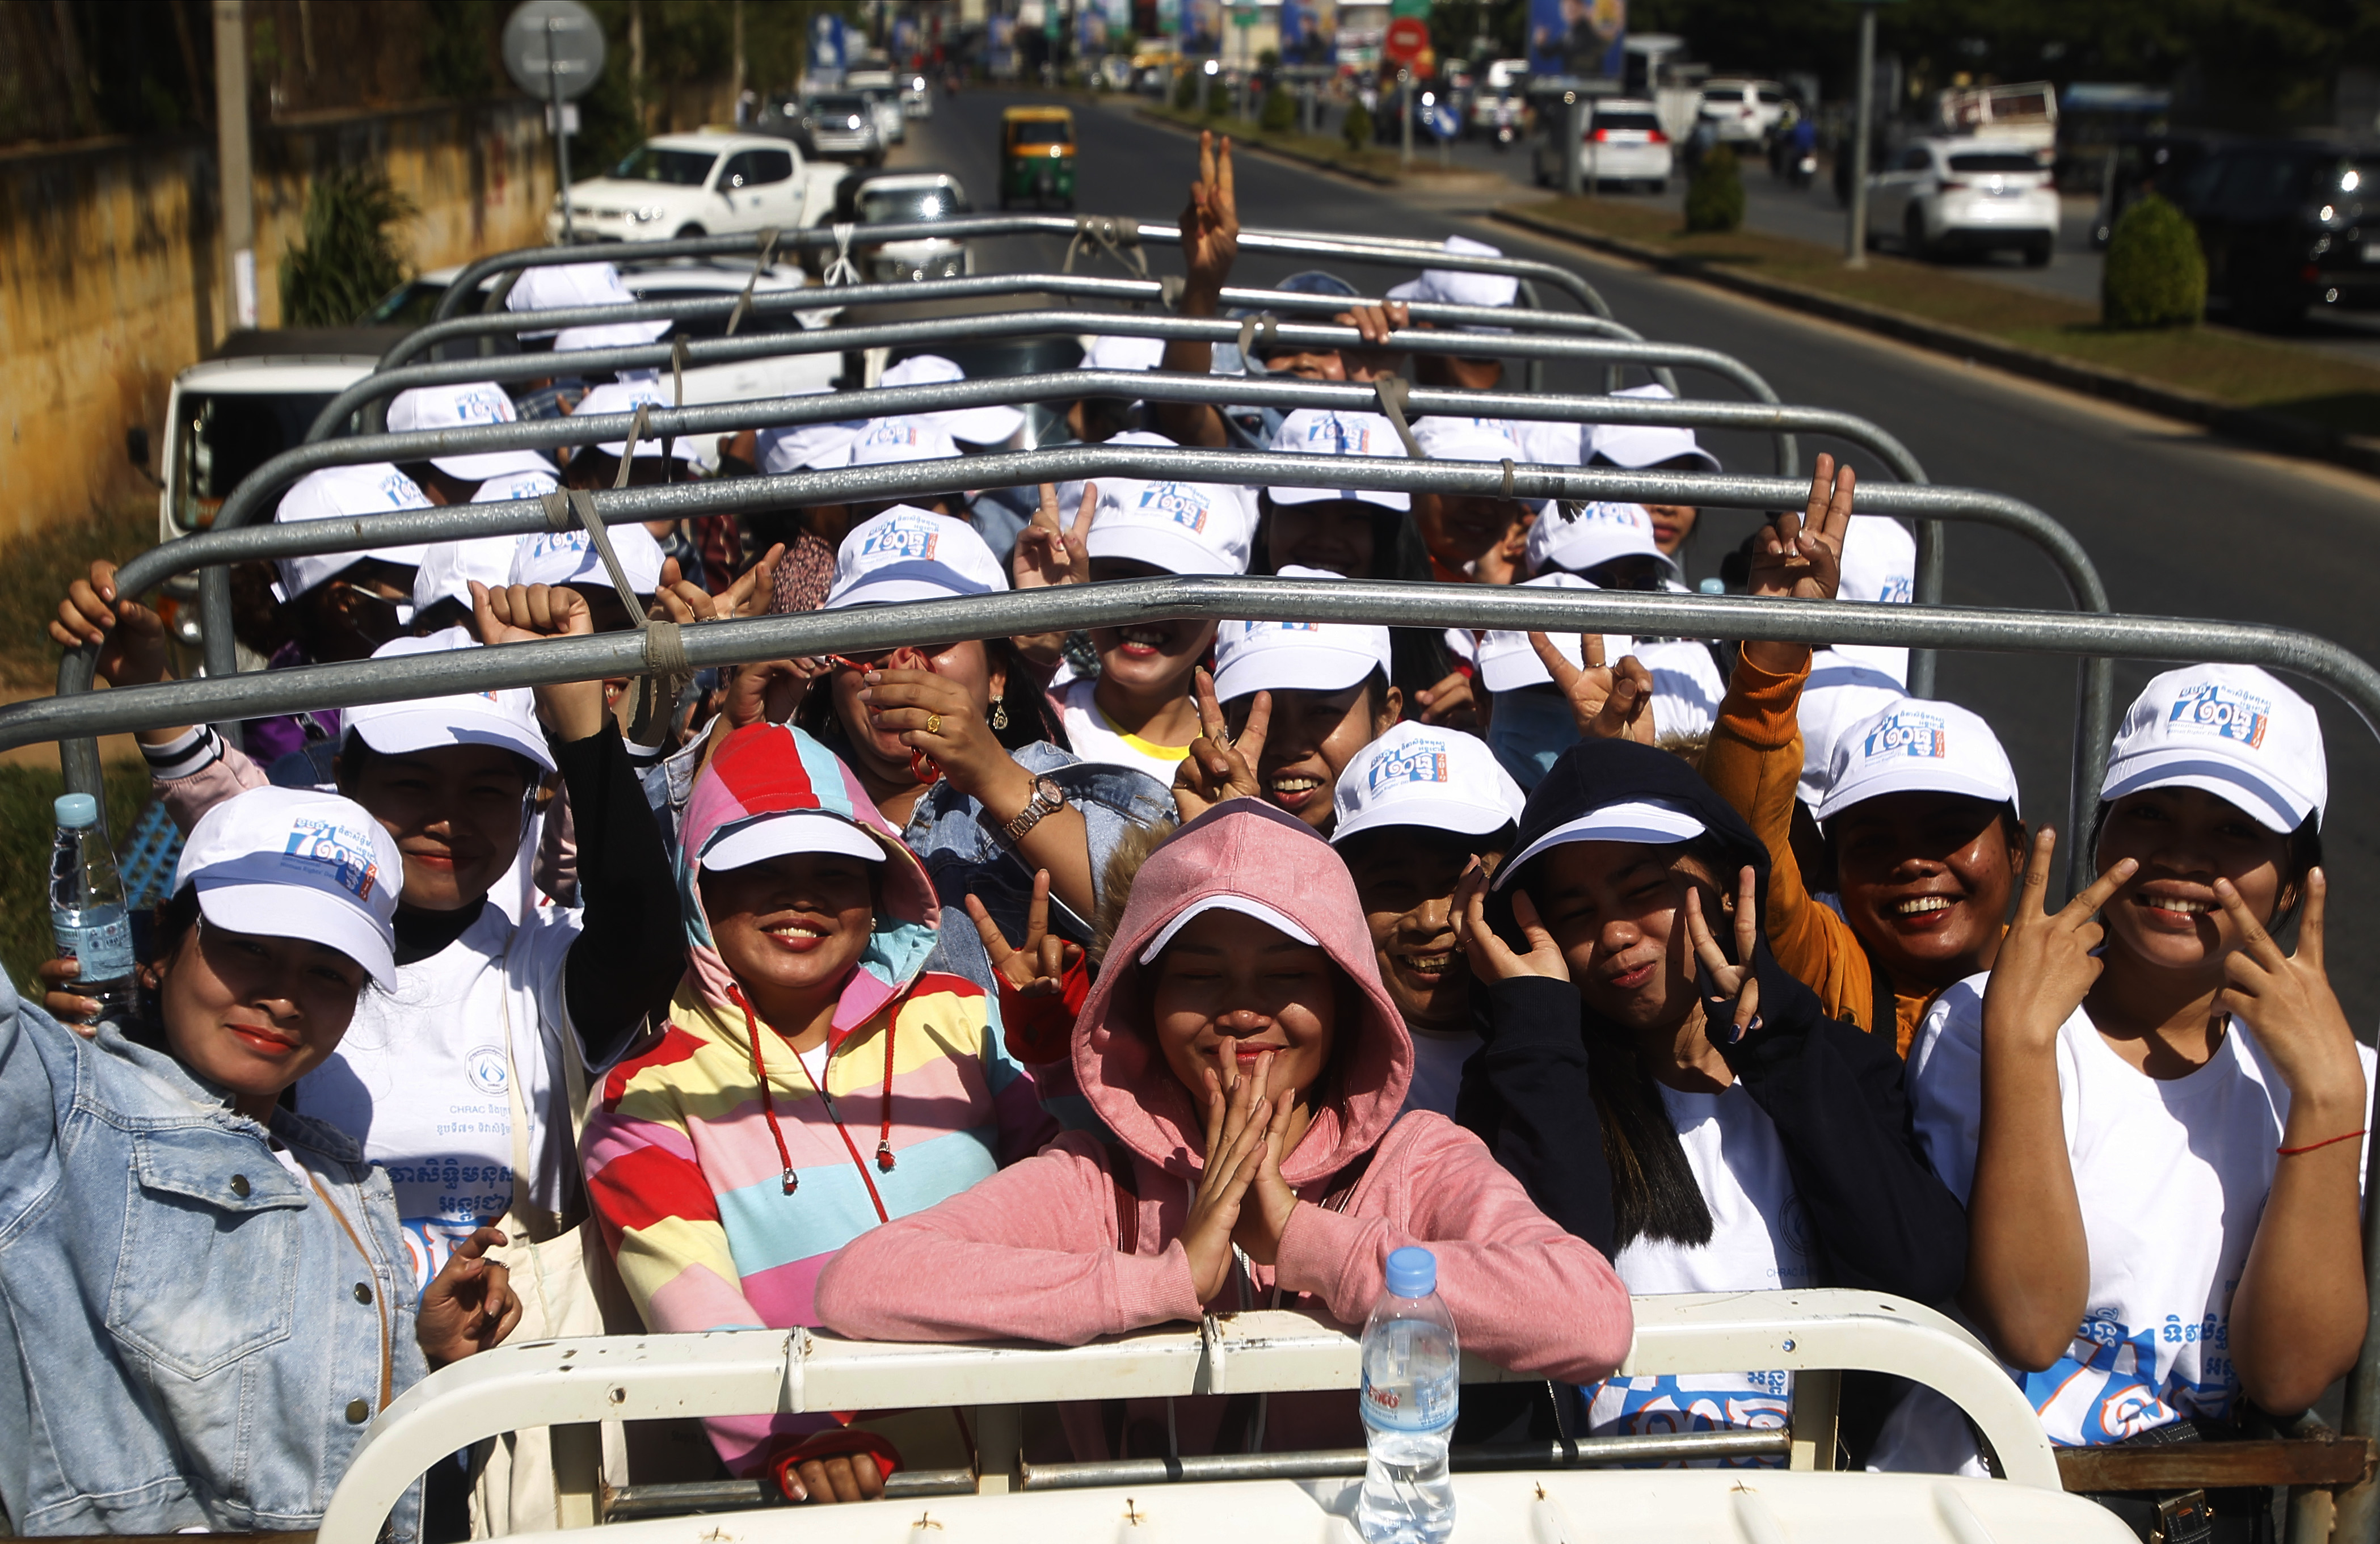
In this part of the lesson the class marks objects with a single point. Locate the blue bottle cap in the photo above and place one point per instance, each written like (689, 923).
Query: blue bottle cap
(1713, 587)
(1413, 1272)
(77, 810)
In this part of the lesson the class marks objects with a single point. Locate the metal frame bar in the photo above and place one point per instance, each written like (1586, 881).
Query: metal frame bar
(1387, 251)
(576, 1382)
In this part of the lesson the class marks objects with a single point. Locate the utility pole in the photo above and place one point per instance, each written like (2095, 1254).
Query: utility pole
(1855, 237)
(236, 182)
(637, 65)
(735, 14)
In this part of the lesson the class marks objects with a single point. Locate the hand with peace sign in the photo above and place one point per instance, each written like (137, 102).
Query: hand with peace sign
(2287, 1001)
(1607, 702)
(1800, 557)
(1049, 554)
(1037, 967)
(1219, 767)
(1491, 958)
(1211, 223)
(1737, 1003)
(2046, 966)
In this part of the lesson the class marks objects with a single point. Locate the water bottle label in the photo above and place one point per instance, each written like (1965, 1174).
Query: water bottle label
(104, 949)
(1421, 1406)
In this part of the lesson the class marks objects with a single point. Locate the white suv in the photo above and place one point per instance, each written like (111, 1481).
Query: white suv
(679, 184)
(1743, 112)
(1943, 196)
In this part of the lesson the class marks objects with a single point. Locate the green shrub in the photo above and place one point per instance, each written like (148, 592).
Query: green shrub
(1714, 197)
(347, 260)
(2155, 276)
(1185, 90)
(1279, 113)
(1219, 98)
(1356, 129)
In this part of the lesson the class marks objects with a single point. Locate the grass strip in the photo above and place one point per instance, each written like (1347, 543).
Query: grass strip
(35, 570)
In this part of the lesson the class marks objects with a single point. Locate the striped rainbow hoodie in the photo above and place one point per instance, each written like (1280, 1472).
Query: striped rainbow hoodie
(682, 1168)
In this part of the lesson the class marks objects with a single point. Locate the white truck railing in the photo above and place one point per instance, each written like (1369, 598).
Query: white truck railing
(570, 1385)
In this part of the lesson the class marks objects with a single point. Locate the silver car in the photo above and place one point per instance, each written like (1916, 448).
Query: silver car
(843, 125)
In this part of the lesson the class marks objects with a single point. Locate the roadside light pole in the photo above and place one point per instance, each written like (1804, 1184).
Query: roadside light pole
(1856, 235)
(237, 189)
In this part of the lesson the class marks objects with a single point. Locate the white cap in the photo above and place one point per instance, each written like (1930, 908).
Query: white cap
(2232, 730)
(889, 441)
(344, 492)
(1296, 656)
(1109, 352)
(295, 863)
(1327, 431)
(1839, 693)
(448, 567)
(1245, 906)
(785, 832)
(626, 397)
(808, 446)
(1182, 528)
(1656, 822)
(504, 487)
(1419, 775)
(1879, 565)
(1914, 745)
(430, 408)
(1635, 445)
(989, 425)
(568, 558)
(1599, 533)
(912, 554)
(1449, 439)
(1507, 661)
(1450, 287)
(567, 286)
(506, 718)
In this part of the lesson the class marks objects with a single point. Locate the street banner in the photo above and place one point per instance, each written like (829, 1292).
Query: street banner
(1577, 37)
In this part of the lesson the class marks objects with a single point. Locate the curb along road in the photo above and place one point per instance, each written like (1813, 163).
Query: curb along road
(2266, 430)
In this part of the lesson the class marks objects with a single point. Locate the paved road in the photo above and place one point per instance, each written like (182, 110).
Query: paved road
(2177, 526)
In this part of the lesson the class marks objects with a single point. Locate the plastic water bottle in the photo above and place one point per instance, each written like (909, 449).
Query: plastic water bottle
(1412, 1369)
(86, 911)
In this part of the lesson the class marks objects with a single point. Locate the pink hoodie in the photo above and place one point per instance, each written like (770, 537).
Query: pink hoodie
(1041, 1246)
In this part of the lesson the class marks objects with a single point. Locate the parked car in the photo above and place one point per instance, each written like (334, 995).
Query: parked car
(1622, 145)
(844, 127)
(2134, 168)
(883, 95)
(906, 198)
(2282, 227)
(1945, 196)
(1743, 112)
(917, 99)
(681, 185)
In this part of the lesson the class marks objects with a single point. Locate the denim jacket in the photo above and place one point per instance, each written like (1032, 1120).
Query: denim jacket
(192, 1337)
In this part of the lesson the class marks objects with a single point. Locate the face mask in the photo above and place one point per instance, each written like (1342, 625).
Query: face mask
(1527, 731)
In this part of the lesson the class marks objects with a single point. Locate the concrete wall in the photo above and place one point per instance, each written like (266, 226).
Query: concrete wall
(111, 272)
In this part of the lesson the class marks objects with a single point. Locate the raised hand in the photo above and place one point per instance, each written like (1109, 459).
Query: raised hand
(936, 719)
(1039, 968)
(1049, 553)
(1491, 958)
(1374, 357)
(750, 595)
(768, 690)
(1802, 555)
(1736, 981)
(2287, 1001)
(470, 1304)
(1607, 702)
(1219, 767)
(62, 1001)
(1211, 220)
(525, 613)
(2046, 966)
(130, 636)
(1238, 1118)
(1453, 702)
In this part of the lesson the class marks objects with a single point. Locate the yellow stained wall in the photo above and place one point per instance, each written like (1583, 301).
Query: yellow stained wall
(112, 277)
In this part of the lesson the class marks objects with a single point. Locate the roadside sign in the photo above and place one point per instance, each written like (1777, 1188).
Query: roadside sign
(1440, 119)
(1244, 16)
(826, 44)
(1407, 39)
(553, 49)
(1418, 9)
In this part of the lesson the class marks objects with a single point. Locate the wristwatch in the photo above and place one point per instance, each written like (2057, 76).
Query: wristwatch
(1048, 800)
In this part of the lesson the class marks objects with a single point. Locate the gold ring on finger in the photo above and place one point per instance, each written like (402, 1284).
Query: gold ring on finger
(933, 724)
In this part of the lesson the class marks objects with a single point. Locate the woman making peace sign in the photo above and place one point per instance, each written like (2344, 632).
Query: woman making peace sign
(2157, 1116)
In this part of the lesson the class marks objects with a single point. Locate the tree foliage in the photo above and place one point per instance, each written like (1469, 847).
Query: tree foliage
(347, 259)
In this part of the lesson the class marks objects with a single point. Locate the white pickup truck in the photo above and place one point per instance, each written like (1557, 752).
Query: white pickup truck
(701, 184)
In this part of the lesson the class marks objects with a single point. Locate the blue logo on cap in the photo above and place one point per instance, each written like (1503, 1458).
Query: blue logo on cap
(482, 405)
(327, 850)
(1908, 733)
(2234, 715)
(906, 540)
(1177, 502)
(1421, 761)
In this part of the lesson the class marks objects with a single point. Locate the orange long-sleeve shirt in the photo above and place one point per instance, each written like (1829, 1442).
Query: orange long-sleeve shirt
(1754, 762)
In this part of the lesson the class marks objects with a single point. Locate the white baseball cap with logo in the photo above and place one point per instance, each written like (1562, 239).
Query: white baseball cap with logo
(991, 424)
(890, 441)
(626, 397)
(506, 719)
(1296, 656)
(344, 493)
(1328, 432)
(1879, 566)
(2232, 730)
(448, 567)
(1110, 352)
(567, 286)
(504, 487)
(1507, 661)
(1917, 746)
(1637, 445)
(1839, 693)
(1575, 538)
(808, 446)
(1417, 775)
(1460, 287)
(464, 405)
(1182, 528)
(298, 863)
(568, 558)
(908, 554)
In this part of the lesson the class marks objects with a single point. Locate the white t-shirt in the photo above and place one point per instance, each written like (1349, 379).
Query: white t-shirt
(1093, 738)
(2172, 1174)
(1438, 1055)
(1760, 1242)
(420, 1079)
